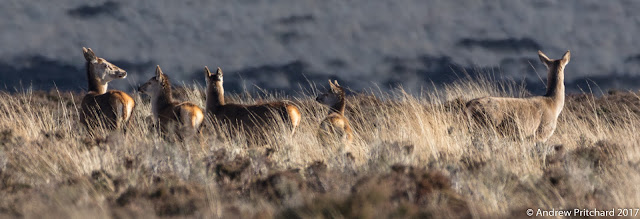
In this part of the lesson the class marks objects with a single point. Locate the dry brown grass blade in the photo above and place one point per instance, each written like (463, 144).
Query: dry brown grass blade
(404, 146)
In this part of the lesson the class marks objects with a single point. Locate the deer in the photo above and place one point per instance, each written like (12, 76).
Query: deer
(110, 108)
(168, 113)
(534, 118)
(335, 124)
(248, 118)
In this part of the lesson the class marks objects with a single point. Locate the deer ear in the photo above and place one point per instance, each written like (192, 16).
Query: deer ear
(207, 73)
(335, 87)
(336, 83)
(158, 73)
(88, 54)
(566, 57)
(219, 71)
(544, 59)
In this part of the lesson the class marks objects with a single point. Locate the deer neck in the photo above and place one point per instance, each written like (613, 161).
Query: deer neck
(338, 107)
(555, 81)
(215, 96)
(161, 100)
(96, 86)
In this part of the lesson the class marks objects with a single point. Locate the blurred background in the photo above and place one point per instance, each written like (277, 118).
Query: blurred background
(283, 45)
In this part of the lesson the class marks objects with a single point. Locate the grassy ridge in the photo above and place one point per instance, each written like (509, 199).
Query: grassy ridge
(412, 156)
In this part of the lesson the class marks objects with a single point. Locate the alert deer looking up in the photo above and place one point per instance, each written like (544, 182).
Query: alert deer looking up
(534, 117)
(168, 113)
(110, 109)
(335, 124)
(249, 117)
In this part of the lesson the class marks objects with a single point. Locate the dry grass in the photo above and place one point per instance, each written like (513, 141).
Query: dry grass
(412, 156)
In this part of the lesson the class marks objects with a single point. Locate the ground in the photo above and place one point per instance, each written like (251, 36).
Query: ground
(413, 156)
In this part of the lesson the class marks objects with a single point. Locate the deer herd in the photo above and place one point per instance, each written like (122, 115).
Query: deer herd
(533, 118)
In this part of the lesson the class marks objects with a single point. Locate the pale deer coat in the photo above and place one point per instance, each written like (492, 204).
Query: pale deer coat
(111, 109)
(335, 124)
(246, 117)
(168, 113)
(533, 118)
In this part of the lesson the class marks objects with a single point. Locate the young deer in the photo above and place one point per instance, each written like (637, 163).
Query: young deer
(249, 117)
(113, 108)
(166, 111)
(335, 124)
(534, 117)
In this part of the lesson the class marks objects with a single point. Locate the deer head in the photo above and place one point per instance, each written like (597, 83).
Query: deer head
(212, 78)
(555, 63)
(334, 95)
(156, 84)
(100, 69)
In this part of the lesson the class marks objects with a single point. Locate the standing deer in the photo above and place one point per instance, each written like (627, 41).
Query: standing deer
(168, 113)
(110, 109)
(335, 124)
(246, 117)
(534, 117)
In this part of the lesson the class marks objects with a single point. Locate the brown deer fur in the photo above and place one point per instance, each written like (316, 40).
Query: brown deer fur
(113, 108)
(247, 116)
(335, 124)
(534, 118)
(166, 111)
